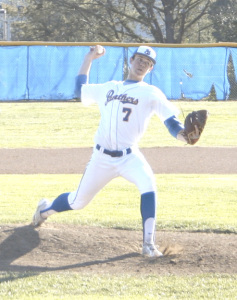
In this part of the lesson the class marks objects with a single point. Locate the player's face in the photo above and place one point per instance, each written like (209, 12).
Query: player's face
(140, 66)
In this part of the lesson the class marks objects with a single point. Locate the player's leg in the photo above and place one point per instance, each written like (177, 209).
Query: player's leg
(137, 170)
(97, 174)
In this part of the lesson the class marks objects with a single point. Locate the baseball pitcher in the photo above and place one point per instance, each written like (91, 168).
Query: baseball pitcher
(126, 108)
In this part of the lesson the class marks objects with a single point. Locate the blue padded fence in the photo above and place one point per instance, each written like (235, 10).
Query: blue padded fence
(47, 72)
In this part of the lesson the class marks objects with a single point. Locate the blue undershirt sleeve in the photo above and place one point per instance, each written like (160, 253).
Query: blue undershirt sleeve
(174, 125)
(80, 80)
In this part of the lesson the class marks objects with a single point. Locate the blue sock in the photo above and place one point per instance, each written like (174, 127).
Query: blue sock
(61, 203)
(148, 208)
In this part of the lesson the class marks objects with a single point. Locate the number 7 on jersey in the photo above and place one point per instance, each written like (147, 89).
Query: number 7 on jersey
(127, 111)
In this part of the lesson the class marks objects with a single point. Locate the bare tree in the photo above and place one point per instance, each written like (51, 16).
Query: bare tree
(160, 21)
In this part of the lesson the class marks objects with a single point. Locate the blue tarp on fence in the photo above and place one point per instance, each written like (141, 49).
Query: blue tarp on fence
(48, 72)
(13, 73)
(233, 52)
(52, 70)
(190, 72)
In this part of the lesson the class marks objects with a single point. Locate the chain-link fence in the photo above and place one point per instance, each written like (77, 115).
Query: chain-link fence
(232, 78)
(232, 81)
(46, 71)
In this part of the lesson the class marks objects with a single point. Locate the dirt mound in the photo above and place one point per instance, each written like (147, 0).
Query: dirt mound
(56, 247)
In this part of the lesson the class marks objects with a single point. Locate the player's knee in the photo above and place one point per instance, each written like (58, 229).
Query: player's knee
(148, 186)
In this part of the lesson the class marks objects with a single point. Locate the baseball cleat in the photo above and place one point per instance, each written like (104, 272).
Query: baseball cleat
(150, 250)
(37, 218)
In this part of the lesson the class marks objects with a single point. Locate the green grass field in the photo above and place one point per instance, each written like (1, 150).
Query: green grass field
(213, 208)
(75, 286)
(206, 203)
(66, 125)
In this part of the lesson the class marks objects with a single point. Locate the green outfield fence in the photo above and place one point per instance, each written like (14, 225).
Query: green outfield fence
(46, 70)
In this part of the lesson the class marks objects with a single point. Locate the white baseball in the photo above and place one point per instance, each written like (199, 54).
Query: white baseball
(100, 50)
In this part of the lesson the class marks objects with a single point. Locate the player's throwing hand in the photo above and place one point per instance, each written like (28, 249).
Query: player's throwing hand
(97, 51)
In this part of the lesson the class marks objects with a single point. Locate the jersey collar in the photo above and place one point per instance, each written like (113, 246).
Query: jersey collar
(129, 81)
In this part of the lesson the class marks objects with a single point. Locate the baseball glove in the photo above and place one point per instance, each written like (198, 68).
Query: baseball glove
(194, 124)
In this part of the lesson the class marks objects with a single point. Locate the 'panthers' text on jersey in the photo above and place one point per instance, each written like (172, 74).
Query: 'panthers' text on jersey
(125, 111)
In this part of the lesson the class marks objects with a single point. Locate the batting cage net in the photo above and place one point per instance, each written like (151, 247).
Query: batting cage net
(47, 71)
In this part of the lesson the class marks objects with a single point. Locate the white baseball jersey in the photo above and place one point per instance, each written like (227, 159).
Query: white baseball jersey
(125, 111)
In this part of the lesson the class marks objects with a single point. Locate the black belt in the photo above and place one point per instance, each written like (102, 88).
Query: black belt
(114, 153)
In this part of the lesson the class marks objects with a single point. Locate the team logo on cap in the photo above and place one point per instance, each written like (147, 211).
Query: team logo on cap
(147, 52)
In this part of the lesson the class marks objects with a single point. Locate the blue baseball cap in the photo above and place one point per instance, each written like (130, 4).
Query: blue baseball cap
(146, 51)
